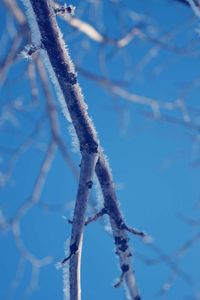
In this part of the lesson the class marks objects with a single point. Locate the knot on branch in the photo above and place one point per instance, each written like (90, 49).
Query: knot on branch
(73, 250)
(90, 147)
(71, 78)
(28, 51)
(121, 243)
(120, 224)
(89, 184)
(125, 268)
(63, 9)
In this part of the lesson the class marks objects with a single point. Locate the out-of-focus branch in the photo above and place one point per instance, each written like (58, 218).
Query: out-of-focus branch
(7, 62)
(31, 72)
(39, 183)
(154, 104)
(91, 32)
(195, 5)
(16, 11)
(173, 261)
(53, 118)
(122, 42)
(6, 175)
(36, 263)
(14, 223)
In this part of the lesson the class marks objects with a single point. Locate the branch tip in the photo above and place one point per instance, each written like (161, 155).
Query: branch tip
(142, 234)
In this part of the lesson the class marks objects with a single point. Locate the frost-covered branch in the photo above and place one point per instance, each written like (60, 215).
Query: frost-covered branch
(53, 118)
(49, 35)
(117, 223)
(88, 163)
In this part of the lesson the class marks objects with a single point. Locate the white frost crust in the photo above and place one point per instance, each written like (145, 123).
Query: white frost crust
(36, 40)
(65, 270)
(56, 85)
(107, 162)
(194, 7)
(100, 204)
(127, 293)
(35, 33)
(75, 140)
(98, 192)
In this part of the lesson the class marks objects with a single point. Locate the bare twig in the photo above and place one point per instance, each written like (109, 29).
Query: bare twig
(35, 197)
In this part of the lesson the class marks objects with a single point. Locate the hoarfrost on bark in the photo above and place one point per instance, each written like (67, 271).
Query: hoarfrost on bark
(35, 33)
(75, 140)
(65, 270)
(56, 85)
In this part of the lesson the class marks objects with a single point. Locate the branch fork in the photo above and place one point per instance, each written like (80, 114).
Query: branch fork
(92, 161)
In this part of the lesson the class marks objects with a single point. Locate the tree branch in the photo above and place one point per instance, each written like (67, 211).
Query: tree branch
(52, 42)
(88, 163)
